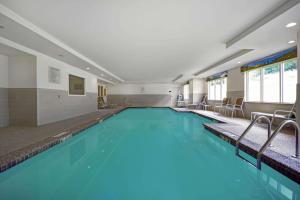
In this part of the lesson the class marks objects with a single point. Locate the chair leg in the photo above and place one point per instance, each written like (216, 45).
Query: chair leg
(243, 113)
(272, 120)
(232, 112)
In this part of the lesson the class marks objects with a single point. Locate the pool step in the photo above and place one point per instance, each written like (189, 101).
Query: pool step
(243, 158)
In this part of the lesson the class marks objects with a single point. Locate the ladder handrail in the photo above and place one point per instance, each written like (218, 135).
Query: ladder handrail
(274, 134)
(249, 127)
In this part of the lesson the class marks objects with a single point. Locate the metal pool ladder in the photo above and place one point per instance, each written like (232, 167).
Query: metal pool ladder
(270, 138)
(276, 131)
(261, 117)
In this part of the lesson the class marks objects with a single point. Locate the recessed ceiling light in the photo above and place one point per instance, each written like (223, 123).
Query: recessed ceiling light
(239, 62)
(291, 42)
(87, 68)
(289, 25)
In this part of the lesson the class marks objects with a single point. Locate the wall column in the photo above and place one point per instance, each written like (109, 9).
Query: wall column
(196, 90)
(298, 85)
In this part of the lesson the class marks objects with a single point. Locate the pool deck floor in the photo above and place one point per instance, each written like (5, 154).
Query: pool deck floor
(284, 143)
(279, 156)
(20, 143)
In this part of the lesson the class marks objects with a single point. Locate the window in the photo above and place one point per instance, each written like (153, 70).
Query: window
(289, 81)
(101, 91)
(217, 89)
(186, 92)
(273, 83)
(76, 85)
(254, 85)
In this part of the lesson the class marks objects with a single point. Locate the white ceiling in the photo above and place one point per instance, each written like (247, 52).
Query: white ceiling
(157, 40)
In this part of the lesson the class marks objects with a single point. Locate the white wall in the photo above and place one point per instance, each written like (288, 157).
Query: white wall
(22, 72)
(3, 71)
(196, 90)
(147, 88)
(51, 101)
(43, 64)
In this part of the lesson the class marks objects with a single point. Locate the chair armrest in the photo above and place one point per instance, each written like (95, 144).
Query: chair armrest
(276, 112)
(282, 111)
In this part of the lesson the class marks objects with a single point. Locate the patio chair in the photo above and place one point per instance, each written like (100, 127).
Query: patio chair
(237, 106)
(101, 103)
(278, 114)
(197, 105)
(204, 104)
(221, 106)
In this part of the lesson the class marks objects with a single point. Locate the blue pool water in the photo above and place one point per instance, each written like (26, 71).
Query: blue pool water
(144, 154)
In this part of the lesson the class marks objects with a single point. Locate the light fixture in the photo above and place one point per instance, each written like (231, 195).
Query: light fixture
(289, 25)
(291, 42)
(87, 68)
(60, 55)
(239, 62)
(178, 77)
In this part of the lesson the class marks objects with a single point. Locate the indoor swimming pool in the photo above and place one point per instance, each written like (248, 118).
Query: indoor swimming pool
(144, 154)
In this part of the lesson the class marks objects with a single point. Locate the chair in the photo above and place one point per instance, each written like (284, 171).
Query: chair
(278, 114)
(222, 105)
(196, 105)
(238, 106)
(101, 103)
(204, 104)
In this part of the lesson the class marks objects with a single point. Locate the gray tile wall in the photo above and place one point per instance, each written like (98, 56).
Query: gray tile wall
(4, 110)
(22, 106)
(56, 105)
(155, 100)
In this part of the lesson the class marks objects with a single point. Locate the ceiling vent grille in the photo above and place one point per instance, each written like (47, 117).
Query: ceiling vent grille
(54, 75)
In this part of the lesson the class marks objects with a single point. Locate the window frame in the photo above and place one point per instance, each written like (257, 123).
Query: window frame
(215, 91)
(84, 86)
(281, 82)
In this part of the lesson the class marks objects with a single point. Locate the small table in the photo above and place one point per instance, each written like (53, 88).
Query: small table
(254, 114)
(180, 103)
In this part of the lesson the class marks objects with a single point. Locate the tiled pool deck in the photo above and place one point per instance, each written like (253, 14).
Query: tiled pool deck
(20, 143)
